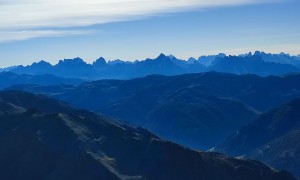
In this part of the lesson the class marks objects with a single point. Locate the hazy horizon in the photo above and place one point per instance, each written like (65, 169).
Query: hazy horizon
(132, 60)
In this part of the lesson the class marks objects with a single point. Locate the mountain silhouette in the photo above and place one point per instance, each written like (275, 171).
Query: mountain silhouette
(259, 63)
(250, 65)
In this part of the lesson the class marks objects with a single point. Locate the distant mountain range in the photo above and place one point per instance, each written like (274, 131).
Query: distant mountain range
(42, 138)
(8, 78)
(274, 138)
(196, 110)
(259, 63)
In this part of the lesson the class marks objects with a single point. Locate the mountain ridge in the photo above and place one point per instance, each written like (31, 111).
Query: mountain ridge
(10, 78)
(180, 107)
(41, 143)
(272, 138)
(259, 63)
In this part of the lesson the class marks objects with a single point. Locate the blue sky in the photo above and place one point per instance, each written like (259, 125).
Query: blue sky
(137, 29)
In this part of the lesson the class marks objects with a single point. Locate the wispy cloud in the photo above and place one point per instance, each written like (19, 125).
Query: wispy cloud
(20, 19)
(8, 36)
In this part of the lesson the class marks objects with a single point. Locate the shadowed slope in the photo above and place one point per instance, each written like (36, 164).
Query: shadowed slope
(272, 138)
(35, 144)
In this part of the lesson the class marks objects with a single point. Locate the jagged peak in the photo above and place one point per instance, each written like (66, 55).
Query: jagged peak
(171, 56)
(221, 55)
(161, 56)
(100, 61)
(191, 59)
(41, 62)
(76, 60)
(258, 53)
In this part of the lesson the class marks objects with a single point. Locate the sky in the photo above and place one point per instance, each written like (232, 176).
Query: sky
(51, 30)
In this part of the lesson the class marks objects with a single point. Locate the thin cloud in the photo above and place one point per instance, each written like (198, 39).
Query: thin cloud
(9, 36)
(27, 15)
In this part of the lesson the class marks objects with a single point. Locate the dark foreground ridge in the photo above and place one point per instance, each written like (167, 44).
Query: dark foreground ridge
(41, 138)
(274, 138)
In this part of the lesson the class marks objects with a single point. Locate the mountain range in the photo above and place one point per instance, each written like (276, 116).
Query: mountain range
(259, 63)
(42, 138)
(245, 106)
(195, 110)
(274, 138)
(8, 79)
